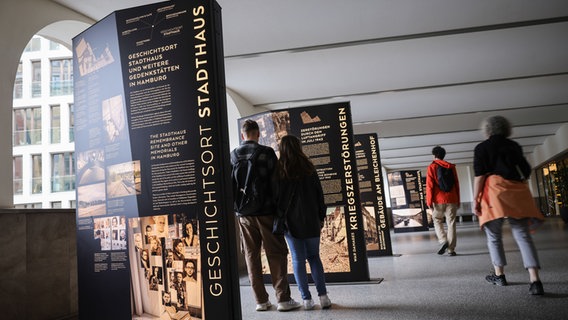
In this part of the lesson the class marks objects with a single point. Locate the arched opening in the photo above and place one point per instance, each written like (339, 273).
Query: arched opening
(42, 120)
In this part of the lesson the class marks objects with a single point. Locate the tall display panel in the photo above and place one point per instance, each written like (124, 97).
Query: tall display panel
(155, 235)
(373, 202)
(326, 132)
(407, 201)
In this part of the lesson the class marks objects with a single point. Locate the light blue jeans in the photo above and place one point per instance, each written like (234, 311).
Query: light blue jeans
(520, 230)
(302, 250)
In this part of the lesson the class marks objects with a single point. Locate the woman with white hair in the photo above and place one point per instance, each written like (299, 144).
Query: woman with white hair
(501, 192)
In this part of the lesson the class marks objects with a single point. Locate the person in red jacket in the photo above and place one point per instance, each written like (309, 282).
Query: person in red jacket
(444, 204)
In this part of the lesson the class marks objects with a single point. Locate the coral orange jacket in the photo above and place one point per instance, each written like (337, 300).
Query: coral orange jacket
(433, 192)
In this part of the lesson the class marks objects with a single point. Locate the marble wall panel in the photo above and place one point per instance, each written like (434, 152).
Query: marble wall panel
(12, 265)
(38, 267)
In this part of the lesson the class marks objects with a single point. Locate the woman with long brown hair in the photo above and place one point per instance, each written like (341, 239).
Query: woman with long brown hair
(299, 194)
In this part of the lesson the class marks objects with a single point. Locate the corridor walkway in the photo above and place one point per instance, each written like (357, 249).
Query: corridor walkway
(419, 284)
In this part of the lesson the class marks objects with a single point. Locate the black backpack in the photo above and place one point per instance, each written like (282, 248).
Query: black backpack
(445, 178)
(248, 195)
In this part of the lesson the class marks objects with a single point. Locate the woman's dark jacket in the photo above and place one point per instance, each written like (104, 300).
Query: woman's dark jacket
(307, 208)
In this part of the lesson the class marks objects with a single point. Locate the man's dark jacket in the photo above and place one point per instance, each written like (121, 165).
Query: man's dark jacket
(265, 166)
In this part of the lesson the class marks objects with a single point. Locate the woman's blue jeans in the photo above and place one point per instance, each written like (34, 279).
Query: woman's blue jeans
(302, 250)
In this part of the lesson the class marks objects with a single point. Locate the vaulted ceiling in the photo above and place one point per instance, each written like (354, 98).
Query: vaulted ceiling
(417, 73)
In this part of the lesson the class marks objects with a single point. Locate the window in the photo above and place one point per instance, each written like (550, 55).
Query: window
(54, 45)
(18, 176)
(61, 77)
(62, 172)
(71, 123)
(36, 173)
(33, 45)
(21, 136)
(72, 204)
(55, 124)
(56, 204)
(36, 79)
(29, 206)
(18, 83)
(27, 126)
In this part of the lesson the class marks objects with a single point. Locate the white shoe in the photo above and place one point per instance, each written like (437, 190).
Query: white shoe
(263, 306)
(288, 305)
(325, 302)
(309, 304)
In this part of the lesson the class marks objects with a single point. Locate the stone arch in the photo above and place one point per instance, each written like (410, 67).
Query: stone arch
(63, 31)
(19, 22)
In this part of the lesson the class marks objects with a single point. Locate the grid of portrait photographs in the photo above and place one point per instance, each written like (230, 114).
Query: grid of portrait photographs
(166, 266)
(111, 232)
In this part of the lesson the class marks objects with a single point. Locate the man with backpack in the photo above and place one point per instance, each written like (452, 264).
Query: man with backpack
(443, 197)
(253, 170)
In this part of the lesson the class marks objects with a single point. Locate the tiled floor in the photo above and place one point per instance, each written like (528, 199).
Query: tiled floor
(420, 284)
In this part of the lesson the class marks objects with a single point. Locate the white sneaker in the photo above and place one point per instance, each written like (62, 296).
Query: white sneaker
(288, 305)
(309, 304)
(325, 302)
(263, 306)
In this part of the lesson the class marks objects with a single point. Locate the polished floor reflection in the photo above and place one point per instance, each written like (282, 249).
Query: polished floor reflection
(420, 284)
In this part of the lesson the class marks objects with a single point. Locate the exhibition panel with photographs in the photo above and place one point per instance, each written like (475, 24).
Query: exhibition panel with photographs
(372, 190)
(326, 134)
(407, 201)
(155, 236)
